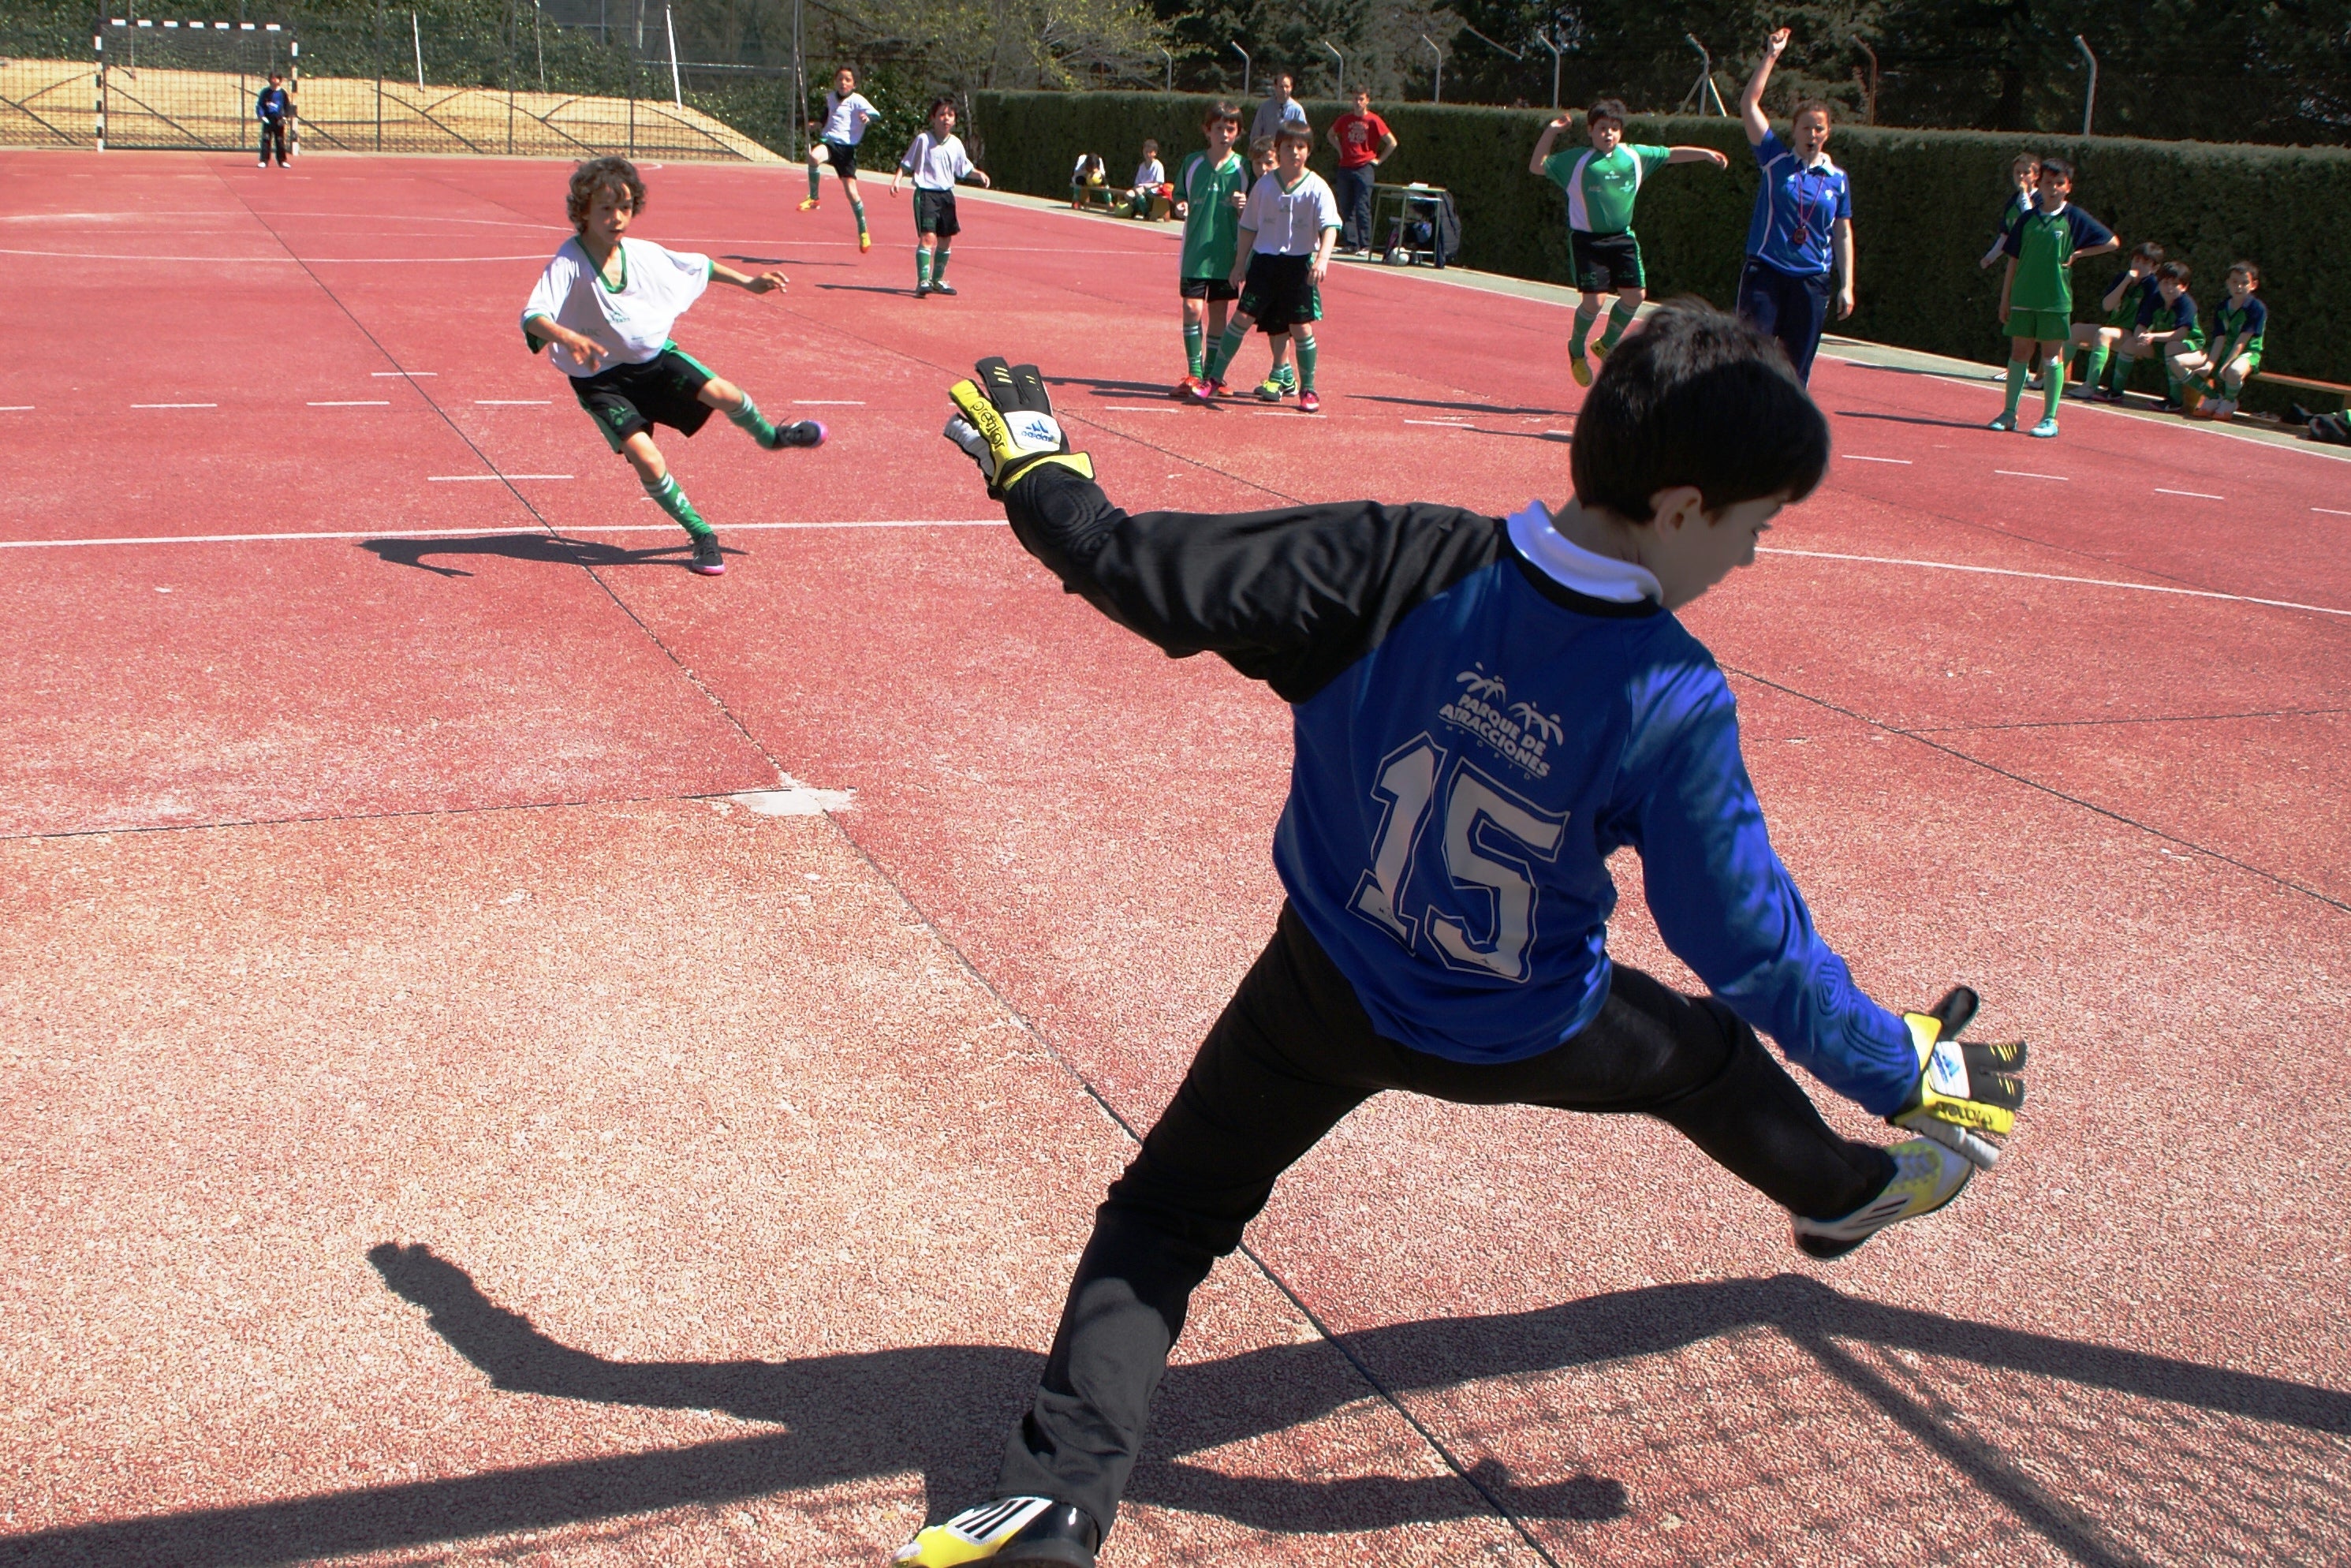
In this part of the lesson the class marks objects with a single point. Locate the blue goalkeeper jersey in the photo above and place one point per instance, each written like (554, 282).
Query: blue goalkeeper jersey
(1483, 714)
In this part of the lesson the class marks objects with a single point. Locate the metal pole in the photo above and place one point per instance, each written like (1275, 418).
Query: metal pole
(538, 45)
(1342, 66)
(2089, 104)
(1544, 39)
(676, 92)
(1869, 95)
(1246, 64)
(1171, 66)
(1484, 39)
(1436, 92)
(416, 36)
(98, 47)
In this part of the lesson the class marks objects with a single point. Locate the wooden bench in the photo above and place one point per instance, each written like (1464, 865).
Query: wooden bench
(2341, 392)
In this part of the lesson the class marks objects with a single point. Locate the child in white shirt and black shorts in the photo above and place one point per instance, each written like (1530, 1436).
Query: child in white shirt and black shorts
(1288, 229)
(936, 161)
(847, 113)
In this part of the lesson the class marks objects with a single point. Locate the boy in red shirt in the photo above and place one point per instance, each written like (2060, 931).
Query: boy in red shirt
(1363, 139)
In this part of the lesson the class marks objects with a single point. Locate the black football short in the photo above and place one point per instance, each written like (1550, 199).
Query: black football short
(1279, 291)
(664, 389)
(1210, 288)
(935, 213)
(842, 156)
(1606, 263)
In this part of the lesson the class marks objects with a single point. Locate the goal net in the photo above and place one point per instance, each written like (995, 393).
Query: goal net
(188, 84)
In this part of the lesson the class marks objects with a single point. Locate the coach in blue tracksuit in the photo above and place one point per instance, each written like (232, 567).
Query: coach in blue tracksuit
(1799, 240)
(273, 107)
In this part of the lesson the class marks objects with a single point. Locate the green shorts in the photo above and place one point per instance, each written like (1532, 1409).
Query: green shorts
(2041, 326)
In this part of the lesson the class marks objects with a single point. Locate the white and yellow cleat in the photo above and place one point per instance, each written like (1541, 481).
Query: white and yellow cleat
(1926, 1175)
(1012, 1532)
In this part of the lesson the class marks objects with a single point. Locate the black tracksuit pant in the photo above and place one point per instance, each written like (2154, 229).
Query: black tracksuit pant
(1292, 1054)
(273, 135)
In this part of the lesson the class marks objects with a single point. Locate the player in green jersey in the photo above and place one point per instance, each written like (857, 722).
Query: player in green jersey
(2218, 371)
(2120, 302)
(1211, 188)
(2036, 293)
(1600, 185)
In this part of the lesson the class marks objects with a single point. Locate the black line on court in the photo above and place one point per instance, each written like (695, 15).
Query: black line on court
(2117, 723)
(1926, 740)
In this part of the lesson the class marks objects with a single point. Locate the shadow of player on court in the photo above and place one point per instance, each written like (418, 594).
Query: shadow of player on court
(943, 1410)
(546, 549)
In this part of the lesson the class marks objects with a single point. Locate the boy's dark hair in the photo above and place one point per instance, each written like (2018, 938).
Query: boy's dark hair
(1293, 130)
(1606, 108)
(598, 175)
(277, 76)
(1827, 110)
(937, 104)
(2056, 169)
(1220, 110)
(2253, 274)
(851, 71)
(2150, 250)
(2172, 272)
(1696, 397)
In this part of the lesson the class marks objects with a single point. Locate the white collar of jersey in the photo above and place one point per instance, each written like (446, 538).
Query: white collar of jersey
(1578, 569)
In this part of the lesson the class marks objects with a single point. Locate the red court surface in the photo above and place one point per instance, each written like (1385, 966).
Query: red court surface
(515, 1052)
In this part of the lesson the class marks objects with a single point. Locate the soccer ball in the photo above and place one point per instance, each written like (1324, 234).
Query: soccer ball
(1399, 256)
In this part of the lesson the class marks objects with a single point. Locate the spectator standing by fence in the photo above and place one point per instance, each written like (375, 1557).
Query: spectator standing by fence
(1363, 140)
(1279, 109)
(273, 107)
(1801, 238)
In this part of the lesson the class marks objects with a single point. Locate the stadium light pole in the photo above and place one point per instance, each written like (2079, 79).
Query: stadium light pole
(2089, 104)
(669, 21)
(416, 36)
(1171, 66)
(1436, 92)
(1246, 64)
(1342, 66)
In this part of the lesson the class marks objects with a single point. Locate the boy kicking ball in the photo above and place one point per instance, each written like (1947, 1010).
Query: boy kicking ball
(605, 296)
(1485, 710)
(2036, 293)
(1286, 234)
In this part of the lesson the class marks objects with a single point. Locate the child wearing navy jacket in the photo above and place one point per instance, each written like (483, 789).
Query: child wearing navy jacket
(1485, 709)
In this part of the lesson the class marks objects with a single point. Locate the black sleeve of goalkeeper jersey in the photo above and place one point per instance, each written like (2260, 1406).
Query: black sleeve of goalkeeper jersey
(1289, 597)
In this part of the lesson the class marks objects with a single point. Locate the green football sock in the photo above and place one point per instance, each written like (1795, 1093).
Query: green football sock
(1305, 364)
(1582, 331)
(752, 423)
(673, 501)
(859, 208)
(2017, 370)
(1196, 347)
(922, 268)
(2095, 368)
(2053, 385)
(1226, 346)
(813, 192)
(1620, 316)
(939, 264)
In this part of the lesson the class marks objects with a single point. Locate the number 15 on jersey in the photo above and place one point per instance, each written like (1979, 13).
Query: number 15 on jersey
(1492, 841)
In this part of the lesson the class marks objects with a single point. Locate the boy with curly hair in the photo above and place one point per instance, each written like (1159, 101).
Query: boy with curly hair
(608, 298)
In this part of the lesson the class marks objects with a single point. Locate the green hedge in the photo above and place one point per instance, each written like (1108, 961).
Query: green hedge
(1925, 206)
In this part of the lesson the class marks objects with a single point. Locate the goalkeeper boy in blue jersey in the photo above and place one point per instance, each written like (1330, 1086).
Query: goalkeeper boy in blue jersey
(1485, 708)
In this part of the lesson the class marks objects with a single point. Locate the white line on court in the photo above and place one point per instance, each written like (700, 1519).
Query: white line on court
(15, 408)
(2331, 512)
(1857, 457)
(273, 261)
(176, 405)
(512, 401)
(1448, 424)
(2021, 474)
(828, 402)
(467, 478)
(479, 533)
(356, 402)
(409, 374)
(2053, 577)
(1133, 408)
(2200, 495)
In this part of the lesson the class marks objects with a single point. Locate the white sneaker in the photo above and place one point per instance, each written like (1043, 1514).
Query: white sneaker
(1926, 1175)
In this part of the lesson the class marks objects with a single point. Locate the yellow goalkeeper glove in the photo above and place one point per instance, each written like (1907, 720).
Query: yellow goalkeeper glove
(1004, 422)
(1966, 1090)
